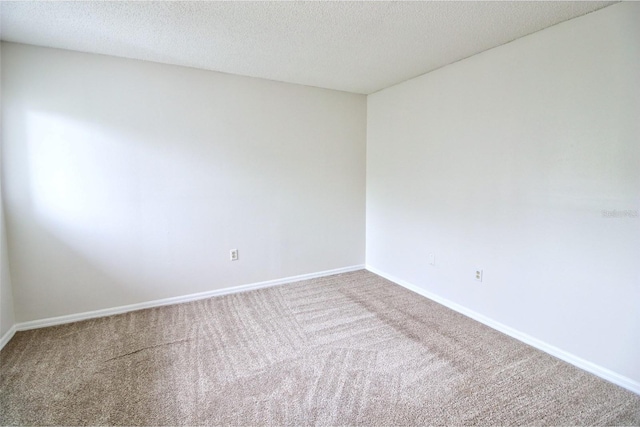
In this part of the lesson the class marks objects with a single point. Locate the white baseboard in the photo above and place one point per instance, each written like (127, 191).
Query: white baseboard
(7, 336)
(41, 323)
(604, 373)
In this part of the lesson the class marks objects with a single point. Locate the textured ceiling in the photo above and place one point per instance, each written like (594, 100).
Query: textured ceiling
(358, 47)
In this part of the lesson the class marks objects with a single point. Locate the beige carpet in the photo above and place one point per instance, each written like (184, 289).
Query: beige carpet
(347, 349)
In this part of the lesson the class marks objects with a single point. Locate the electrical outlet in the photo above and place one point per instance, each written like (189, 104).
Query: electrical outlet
(432, 259)
(233, 254)
(478, 274)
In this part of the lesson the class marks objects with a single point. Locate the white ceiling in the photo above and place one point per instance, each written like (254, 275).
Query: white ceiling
(357, 47)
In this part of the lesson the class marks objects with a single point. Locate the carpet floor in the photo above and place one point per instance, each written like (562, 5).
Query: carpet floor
(348, 349)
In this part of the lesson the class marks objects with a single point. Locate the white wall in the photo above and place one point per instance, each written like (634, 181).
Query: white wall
(128, 181)
(7, 318)
(506, 161)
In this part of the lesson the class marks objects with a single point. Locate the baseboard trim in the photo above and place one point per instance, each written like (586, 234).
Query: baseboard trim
(601, 372)
(7, 336)
(52, 321)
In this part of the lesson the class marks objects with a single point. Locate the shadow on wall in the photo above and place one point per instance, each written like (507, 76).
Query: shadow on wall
(72, 220)
(84, 186)
(98, 214)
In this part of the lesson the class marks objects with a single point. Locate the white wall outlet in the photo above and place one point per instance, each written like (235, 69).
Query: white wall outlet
(478, 274)
(233, 254)
(432, 258)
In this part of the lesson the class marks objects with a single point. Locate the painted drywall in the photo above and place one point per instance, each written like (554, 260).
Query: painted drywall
(523, 161)
(7, 318)
(128, 181)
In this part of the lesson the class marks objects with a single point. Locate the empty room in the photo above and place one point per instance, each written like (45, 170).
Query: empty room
(320, 213)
